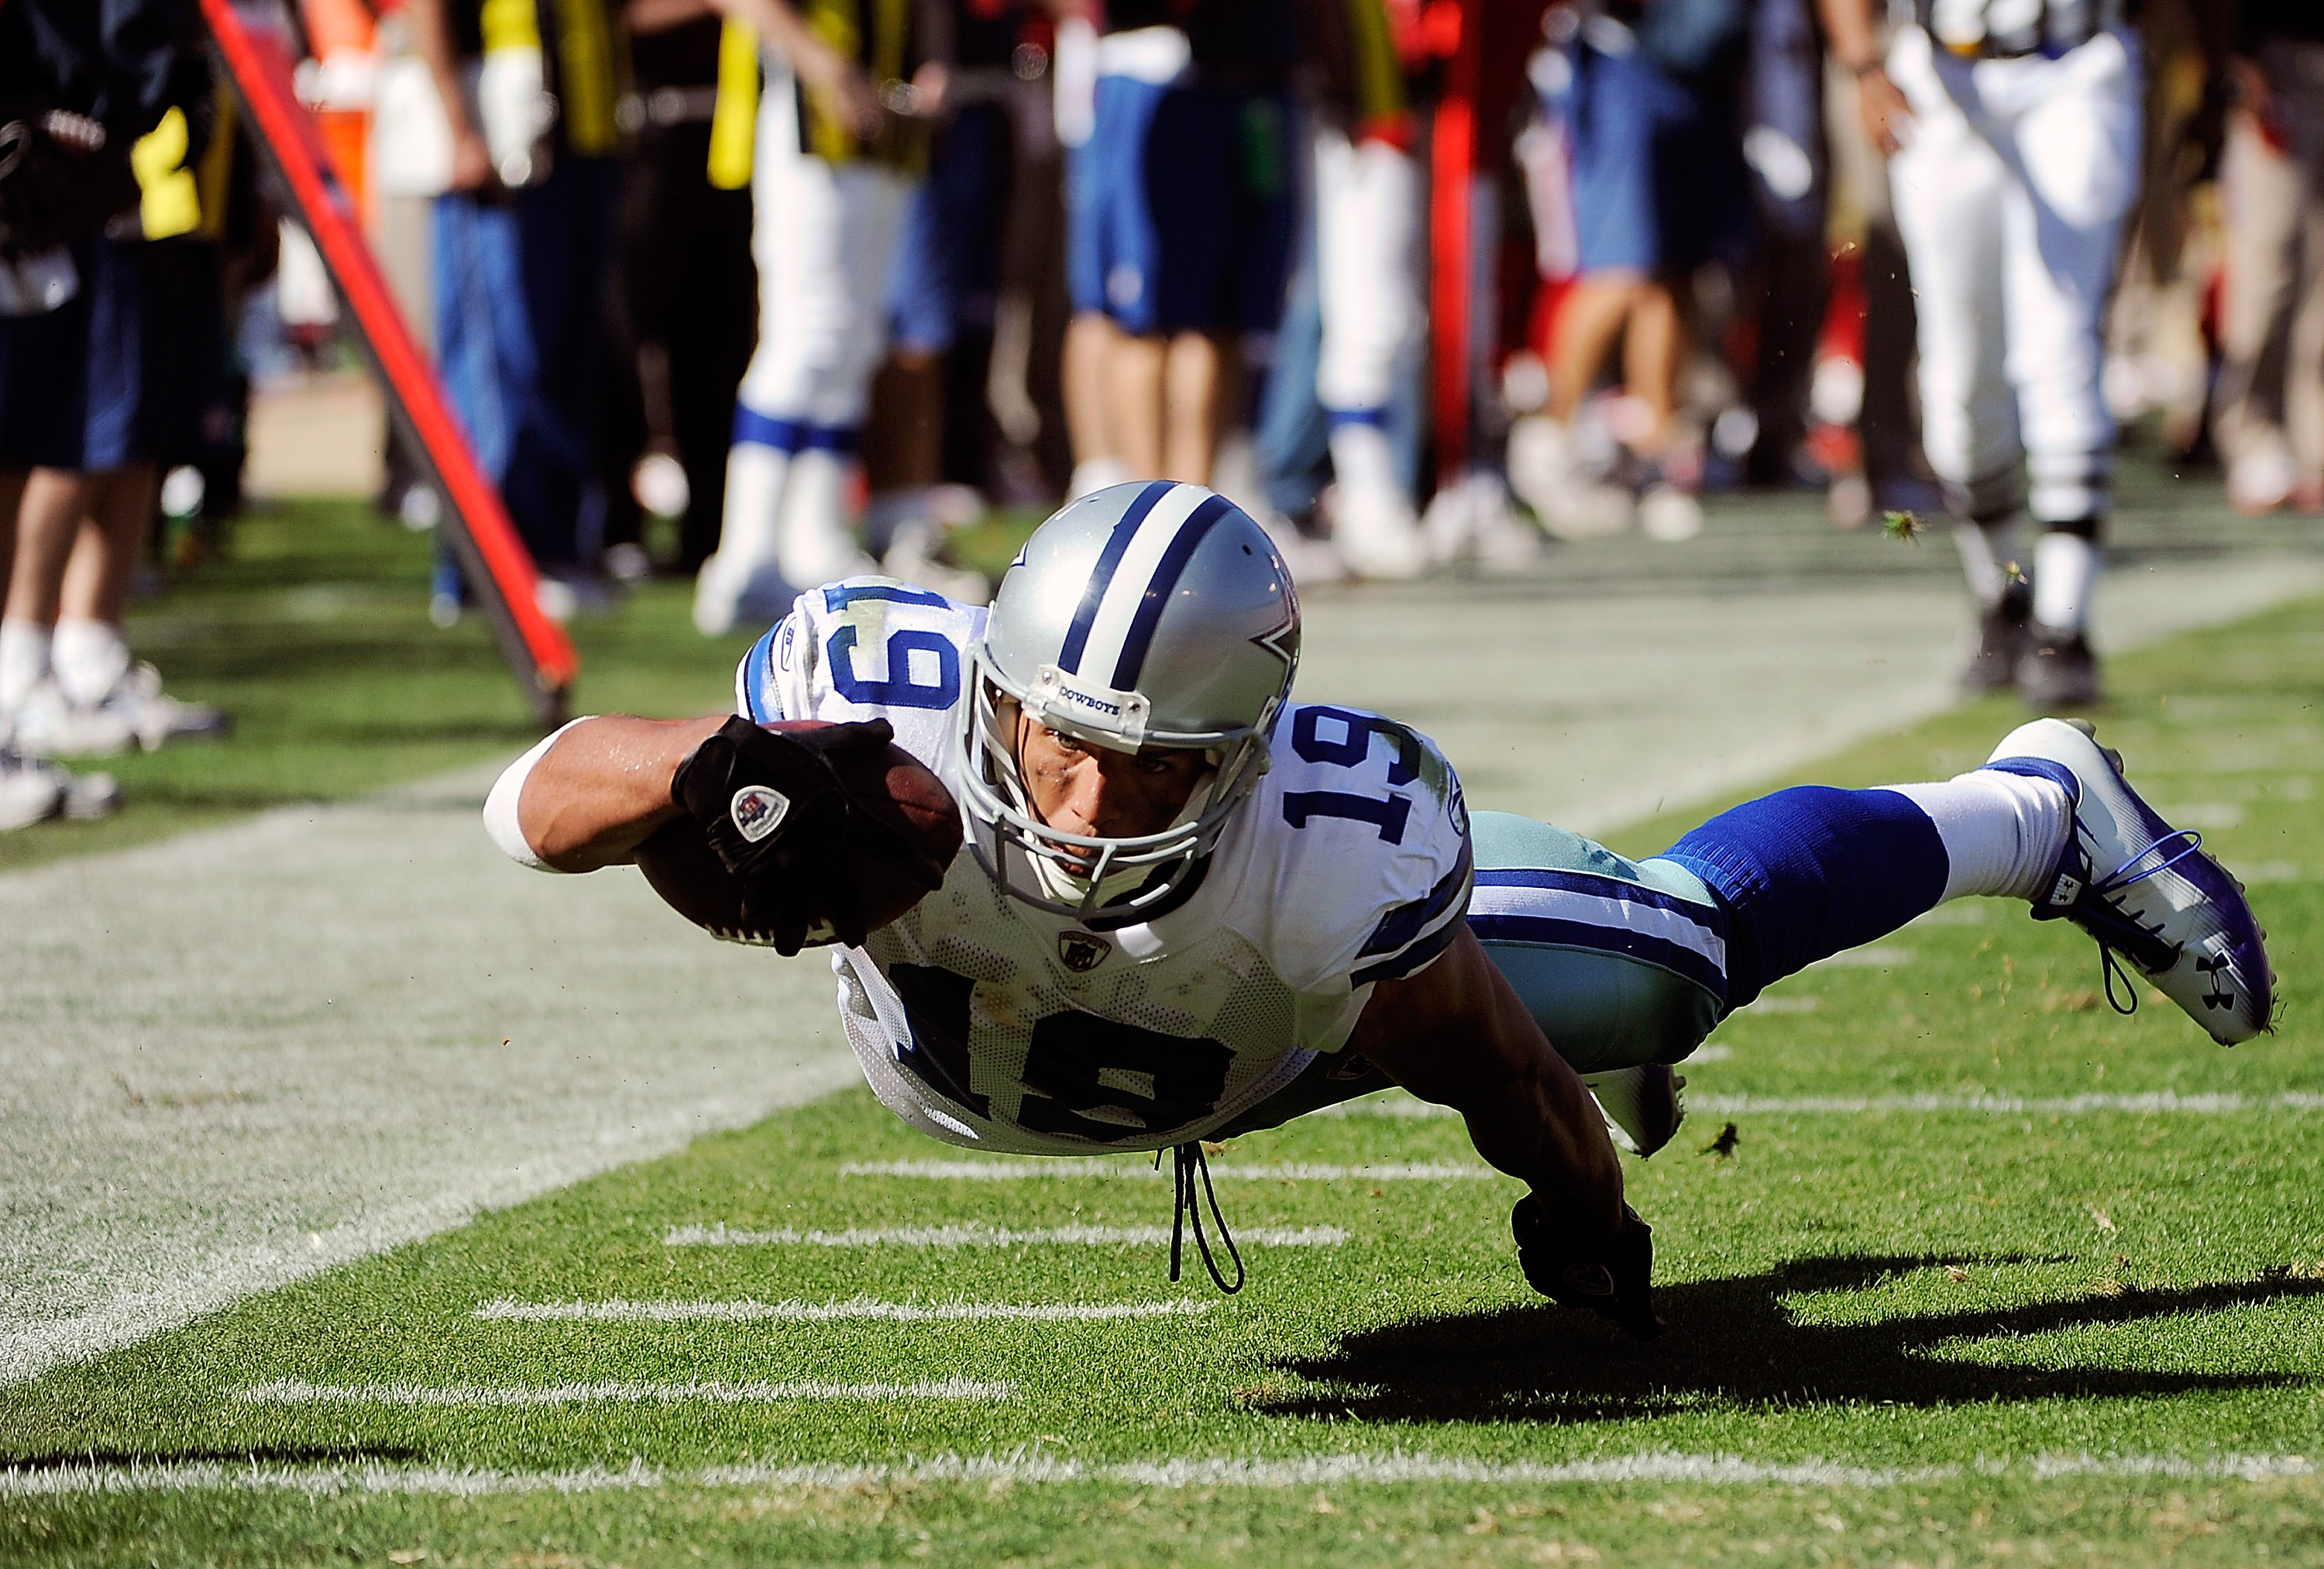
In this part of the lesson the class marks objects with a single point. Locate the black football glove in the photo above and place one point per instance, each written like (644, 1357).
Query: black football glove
(1613, 1280)
(777, 809)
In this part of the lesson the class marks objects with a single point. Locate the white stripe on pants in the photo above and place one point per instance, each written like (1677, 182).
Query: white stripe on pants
(2010, 196)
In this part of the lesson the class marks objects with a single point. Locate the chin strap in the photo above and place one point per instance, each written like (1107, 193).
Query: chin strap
(1192, 1163)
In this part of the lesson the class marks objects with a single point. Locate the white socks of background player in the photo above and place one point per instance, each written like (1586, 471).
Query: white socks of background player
(2002, 833)
(812, 539)
(88, 658)
(2065, 567)
(23, 660)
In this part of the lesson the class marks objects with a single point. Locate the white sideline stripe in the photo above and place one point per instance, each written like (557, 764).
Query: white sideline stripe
(1308, 1472)
(2156, 1104)
(721, 1235)
(717, 1392)
(746, 1311)
(1289, 1171)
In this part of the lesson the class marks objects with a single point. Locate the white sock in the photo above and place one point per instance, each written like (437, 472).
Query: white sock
(1093, 474)
(1987, 553)
(813, 542)
(2065, 568)
(2002, 832)
(23, 660)
(87, 657)
(1361, 458)
(754, 500)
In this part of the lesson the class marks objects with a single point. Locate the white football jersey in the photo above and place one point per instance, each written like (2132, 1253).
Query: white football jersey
(984, 1021)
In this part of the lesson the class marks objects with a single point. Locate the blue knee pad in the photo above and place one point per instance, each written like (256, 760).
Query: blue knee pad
(1807, 873)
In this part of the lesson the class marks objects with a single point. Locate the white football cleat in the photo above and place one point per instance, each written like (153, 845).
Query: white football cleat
(1377, 532)
(51, 725)
(2146, 890)
(1642, 1106)
(30, 792)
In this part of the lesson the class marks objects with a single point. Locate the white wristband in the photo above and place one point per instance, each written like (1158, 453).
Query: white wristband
(500, 807)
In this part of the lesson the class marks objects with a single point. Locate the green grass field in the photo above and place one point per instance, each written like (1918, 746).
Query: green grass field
(1991, 1275)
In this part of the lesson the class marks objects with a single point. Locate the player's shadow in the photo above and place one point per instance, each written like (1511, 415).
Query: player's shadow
(1731, 1342)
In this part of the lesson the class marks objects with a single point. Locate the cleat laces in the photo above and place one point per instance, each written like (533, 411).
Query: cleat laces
(1192, 1163)
(2097, 910)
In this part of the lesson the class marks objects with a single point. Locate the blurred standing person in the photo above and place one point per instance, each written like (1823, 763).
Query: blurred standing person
(1179, 229)
(523, 237)
(2271, 418)
(101, 369)
(1648, 103)
(1340, 379)
(2013, 131)
(684, 286)
(841, 147)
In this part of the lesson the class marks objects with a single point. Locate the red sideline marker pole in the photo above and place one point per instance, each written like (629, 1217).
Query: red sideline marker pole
(1452, 159)
(497, 564)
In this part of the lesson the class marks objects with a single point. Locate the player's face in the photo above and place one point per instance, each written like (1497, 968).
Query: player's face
(1079, 789)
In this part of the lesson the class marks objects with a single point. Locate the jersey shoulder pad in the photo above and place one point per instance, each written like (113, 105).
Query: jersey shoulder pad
(1369, 836)
(866, 647)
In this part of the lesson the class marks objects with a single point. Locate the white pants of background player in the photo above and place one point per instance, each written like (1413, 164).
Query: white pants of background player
(825, 238)
(2010, 195)
(1368, 287)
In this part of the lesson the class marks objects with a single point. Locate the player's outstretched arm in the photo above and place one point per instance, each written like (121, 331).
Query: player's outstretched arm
(602, 788)
(1457, 1034)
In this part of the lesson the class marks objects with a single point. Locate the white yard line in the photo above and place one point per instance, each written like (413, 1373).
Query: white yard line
(1653, 1467)
(746, 1311)
(2163, 1103)
(721, 1235)
(1079, 1168)
(717, 1392)
(2155, 1103)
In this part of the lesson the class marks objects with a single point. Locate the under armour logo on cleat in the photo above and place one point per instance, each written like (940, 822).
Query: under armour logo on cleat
(2213, 968)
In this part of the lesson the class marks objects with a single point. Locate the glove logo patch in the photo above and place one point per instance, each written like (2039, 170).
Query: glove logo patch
(758, 811)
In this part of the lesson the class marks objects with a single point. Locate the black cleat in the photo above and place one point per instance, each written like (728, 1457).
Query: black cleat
(2001, 643)
(2057, 670)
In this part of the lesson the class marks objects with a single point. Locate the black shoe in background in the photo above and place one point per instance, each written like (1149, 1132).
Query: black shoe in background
(2057, 670)
(2003, 638)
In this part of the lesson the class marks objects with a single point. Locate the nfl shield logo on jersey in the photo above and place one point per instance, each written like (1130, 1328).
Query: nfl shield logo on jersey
(1082, 951)
(758, 811)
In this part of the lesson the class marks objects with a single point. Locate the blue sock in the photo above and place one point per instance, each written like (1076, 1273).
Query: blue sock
(1807, 873)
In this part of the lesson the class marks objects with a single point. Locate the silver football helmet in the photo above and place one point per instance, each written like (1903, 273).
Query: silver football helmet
(1143, 615)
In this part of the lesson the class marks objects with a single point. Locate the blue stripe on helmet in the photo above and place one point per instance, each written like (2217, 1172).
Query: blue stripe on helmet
(1141, 636)
(1101, 577)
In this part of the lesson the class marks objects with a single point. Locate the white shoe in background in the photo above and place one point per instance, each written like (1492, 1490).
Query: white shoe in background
(30, 790)
(51, 725)
(1669, 513)
(1548, 475)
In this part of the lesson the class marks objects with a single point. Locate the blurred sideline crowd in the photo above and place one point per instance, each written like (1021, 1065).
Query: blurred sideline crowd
(769, 293)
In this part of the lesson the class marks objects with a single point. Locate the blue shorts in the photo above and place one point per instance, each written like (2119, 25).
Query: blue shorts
(948, 270)
(1181, 210)
(115, 373)
(1658, 183)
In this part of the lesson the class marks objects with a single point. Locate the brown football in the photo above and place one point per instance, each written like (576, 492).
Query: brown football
(692, 881)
